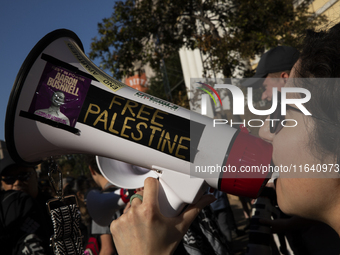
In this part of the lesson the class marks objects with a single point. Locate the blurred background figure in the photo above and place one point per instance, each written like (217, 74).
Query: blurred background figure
(67, 180)
(80, 187)
(25, 225)
(45, 187)
(102, 234)
(225, 217)
(204, 236)
(246, 206)
(273, 70)
(260, 236)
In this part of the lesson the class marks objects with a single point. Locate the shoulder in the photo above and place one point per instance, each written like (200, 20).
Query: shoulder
(14, 198)
(16, 205)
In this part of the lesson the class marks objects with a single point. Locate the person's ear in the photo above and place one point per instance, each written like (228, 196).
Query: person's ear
(93, 172)
(284, 76)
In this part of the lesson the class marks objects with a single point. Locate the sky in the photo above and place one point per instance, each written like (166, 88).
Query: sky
(25, 22)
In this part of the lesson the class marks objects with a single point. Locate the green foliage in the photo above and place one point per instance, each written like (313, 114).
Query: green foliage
(176, 82)
(70, 165)
(149, 31)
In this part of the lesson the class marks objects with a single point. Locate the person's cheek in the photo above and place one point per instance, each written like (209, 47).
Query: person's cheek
(269, 93)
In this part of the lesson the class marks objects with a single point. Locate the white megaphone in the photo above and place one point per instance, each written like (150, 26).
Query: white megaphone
(61, 103)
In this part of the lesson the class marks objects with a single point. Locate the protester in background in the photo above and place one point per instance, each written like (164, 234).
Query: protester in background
(45, 187)
(225, 217)
(106, 245)
(204, 236)
(67, 180)
(273, 70)
(25, 224)
(246, 206)
(79, 187)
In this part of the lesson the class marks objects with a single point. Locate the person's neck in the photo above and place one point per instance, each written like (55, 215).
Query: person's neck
(103, 182)
(107, 185)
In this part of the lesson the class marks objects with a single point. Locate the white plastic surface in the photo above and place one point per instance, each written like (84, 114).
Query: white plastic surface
(176, 189)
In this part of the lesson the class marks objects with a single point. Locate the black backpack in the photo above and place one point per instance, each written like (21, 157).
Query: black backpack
(20, 226)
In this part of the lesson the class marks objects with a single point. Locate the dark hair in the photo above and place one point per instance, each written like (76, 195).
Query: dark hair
(320, 58)
(91, 161)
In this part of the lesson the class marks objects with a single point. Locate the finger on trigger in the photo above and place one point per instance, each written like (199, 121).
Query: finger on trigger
(151, 187)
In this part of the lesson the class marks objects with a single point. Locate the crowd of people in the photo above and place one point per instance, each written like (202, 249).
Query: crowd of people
(25, 222)
(303, 211)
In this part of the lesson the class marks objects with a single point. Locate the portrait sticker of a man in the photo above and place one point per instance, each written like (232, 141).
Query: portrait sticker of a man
(59, 95)
(53, 112)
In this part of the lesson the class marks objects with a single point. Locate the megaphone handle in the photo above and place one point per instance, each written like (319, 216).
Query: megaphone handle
(169, 203)
(177, 190)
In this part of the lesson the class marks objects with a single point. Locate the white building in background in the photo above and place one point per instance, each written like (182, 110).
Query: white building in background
(192, 67)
